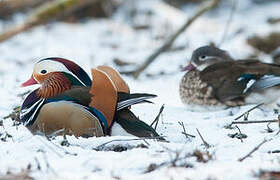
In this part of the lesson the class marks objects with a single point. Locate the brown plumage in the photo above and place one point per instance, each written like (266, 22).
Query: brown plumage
(118, 81)
(214, 81)
(104, 94)
(53, 84)
(223, 76)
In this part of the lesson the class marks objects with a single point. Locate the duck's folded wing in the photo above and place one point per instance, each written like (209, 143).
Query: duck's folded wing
(77, 94)
(126, 100)
(231, 80)
(264, 82)
(104, 94)
(131, 124)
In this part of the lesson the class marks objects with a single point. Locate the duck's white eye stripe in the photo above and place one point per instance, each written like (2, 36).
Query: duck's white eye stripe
(54, 66)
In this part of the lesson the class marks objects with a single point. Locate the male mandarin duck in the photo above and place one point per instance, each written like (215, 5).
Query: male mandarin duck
(69, 100)
(214, 80)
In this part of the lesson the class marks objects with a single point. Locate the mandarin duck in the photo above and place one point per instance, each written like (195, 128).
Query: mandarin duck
(69, 100)
(214, 80)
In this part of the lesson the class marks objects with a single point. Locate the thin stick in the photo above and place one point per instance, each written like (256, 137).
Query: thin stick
(135, 139)
(254, 150)
(204, 142)
(157, 118)
(248, 111)
(184, 130)
(172, 38)
(253, 122)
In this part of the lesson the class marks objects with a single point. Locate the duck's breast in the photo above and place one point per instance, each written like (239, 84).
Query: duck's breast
(69, 117)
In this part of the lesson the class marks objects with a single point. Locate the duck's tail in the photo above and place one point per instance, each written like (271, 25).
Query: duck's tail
(132, 125)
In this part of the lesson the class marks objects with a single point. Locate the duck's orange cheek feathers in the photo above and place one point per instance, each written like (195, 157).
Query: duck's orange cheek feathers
(40, 77)
(52, 84)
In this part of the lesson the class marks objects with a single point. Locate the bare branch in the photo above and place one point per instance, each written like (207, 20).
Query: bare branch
(204, 142)
(46, 12)
(253, 122)
(157, 118)
(172, 38)
(247, 112)
(254, 150)
(184, 130)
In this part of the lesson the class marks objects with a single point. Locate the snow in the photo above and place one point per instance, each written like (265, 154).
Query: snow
(98, 41)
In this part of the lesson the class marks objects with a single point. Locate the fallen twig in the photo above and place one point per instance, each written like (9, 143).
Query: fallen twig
(247, 112)
(45, 13)
(135, 139)
(157, 118)
(184, 130)
(171, 39)
(204, 142)
(253, 122)
(254, 150)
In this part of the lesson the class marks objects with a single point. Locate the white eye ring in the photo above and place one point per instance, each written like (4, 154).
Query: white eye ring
(202, 58)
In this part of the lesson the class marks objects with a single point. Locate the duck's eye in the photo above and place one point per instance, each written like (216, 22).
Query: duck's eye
(43, 71)
(202, 57)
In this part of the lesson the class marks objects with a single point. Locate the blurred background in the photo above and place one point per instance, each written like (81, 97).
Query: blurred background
(148, 41)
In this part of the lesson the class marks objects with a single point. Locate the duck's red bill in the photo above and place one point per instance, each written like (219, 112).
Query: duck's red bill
(29, 82)
(189, 67)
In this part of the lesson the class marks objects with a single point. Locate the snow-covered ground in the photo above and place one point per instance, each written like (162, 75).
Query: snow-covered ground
(97, 42)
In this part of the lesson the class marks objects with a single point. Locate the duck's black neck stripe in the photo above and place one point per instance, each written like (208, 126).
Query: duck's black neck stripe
(29, 114)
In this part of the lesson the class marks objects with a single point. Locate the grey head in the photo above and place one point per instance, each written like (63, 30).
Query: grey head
(205, 56)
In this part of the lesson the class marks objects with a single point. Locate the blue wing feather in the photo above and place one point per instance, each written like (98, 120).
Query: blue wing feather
(255, 83)
(266, 81)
